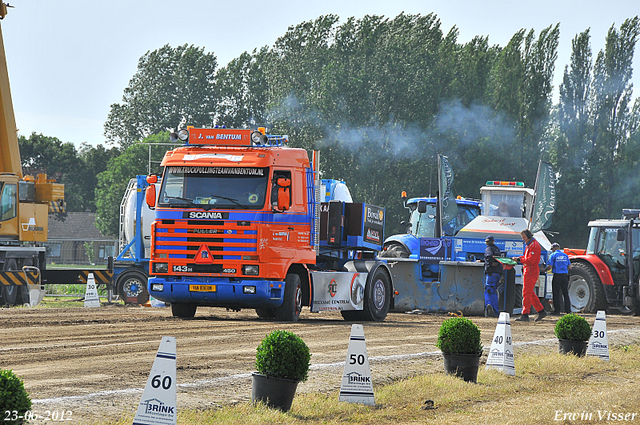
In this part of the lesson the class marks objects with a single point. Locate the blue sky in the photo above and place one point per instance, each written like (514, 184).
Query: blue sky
(70, 60)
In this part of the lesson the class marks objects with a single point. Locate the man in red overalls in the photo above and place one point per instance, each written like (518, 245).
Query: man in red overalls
(530, 272)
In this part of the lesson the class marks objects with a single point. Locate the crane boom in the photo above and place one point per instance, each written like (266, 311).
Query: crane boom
(10, 158)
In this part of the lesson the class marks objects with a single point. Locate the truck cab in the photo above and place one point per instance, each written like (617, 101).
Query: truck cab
(243, 221)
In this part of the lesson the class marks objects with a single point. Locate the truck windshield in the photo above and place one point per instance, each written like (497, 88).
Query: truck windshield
(635, 247)
(503, 204)
(424, 225)
(214, 187)
(8, 201)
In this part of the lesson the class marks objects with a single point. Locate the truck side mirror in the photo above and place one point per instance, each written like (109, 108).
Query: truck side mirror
(283, 189)
(422, 207)
(621, 235)
(150, 196)
(152, 179)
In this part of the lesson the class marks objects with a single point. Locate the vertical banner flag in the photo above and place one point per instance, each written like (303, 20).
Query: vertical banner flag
(544, 204)
(448, 206)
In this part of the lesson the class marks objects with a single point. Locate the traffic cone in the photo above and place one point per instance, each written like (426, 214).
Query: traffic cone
(599, 342)
(501, 352)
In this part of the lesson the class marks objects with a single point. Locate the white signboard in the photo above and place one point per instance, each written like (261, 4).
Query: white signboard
(356, 380)
(337, 291)
(158, 402)
(501, 352)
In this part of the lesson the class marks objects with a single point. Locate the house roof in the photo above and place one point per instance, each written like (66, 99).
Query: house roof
(74, 226)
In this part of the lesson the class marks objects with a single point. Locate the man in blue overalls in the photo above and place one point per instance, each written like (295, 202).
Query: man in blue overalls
(560, 264)
(493, 273)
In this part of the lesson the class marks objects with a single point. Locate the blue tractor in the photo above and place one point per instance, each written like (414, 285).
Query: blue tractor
(423, 224)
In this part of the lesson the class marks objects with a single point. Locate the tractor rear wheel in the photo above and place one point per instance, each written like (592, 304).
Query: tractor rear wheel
(585, 289)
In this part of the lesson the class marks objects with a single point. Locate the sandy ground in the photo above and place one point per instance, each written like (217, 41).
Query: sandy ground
(93, 363)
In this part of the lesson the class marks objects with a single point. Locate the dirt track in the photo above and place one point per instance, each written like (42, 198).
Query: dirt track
(95, 362)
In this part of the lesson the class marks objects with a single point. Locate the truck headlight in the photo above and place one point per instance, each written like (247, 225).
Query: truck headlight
(157, 287)
(161, 268)
(251, 270)
(259, 139)
(183, 135)
(249, 289)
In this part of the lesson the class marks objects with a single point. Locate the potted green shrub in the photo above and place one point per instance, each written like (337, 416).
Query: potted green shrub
(14, 399)
(459, 341)
(282, 360)
(573, 334)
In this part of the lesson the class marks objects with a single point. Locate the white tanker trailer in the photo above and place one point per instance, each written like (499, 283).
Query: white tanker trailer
(131, 266)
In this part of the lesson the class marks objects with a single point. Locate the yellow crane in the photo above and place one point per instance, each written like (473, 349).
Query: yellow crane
(25, 201)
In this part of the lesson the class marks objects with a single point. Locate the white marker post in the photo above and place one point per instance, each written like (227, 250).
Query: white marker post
(599, 341)
(91, 298)
(501, 352)
(158, 402)
(356, 380)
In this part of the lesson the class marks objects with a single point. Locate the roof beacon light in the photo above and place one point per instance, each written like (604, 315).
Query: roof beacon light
(503, 183)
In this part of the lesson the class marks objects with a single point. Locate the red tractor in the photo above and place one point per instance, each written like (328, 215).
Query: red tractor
(606, 274)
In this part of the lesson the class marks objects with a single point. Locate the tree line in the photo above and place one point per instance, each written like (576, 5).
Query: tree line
(381, 98)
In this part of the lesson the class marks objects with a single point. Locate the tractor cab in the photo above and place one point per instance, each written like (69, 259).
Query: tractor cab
(617, 244)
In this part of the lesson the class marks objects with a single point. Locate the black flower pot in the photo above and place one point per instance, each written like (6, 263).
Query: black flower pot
(566, 346)
(274, 392)
(464, 366)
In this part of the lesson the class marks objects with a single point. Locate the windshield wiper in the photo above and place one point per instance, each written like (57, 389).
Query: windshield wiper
(235, 201)
(187, 200)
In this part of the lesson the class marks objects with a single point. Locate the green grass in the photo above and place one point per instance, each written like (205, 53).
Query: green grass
(545, 385)
(72, 289)
(65, 302)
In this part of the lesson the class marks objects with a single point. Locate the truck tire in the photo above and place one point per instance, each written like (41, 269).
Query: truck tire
(183, 310)
(23, 298)
(585, 289)
(265, 313)
(10, 293)
(395, 250)
(377, 299)
(291, 306)
(133, 284)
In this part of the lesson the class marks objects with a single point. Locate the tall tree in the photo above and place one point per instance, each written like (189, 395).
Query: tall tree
(612, 95)
(173, 87)
(243, 88)
(113, 182)
(571, 147)
(599, 132)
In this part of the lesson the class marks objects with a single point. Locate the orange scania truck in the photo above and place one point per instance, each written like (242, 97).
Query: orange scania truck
(243, 221)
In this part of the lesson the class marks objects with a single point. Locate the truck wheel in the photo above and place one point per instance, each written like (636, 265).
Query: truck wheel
(10, 292)
(395, 250)
(184, 310)
(585, 289)
(133, 284)
(377, 299)
(291, 306)
(265, 313)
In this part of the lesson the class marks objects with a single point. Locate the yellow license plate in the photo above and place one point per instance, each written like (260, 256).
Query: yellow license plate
(202, 288)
